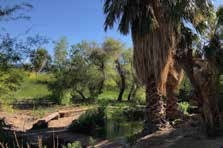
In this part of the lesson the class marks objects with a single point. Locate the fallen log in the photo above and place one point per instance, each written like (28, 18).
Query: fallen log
(43, 123)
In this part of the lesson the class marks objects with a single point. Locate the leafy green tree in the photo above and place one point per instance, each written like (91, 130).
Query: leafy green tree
(9, 54)
(10, 77)
(39, 59)
(79, 74)
(132, 81)
(114, 50)
(60, 51)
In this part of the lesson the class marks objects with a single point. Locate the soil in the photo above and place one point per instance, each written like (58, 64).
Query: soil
(23, 121)
(185, 134)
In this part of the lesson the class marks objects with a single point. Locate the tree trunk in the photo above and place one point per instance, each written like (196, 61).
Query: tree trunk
(131, 91)
(154, 111)
(81, 94)
(174, 78)
(121, 73)
(202, 75)
(101, 83)
(121, 92)
(135, 91)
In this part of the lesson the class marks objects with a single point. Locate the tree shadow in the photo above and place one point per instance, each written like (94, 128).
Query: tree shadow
(43, 102)
(186, 137)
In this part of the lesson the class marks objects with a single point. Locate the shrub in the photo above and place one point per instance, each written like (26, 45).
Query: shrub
(76, 144)
(184, 106)
(10, 80)
(90, 121)
(135, 113)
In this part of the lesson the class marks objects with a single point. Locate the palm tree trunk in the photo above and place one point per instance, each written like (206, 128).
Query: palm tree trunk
(174, 78)
(202, 75)
(172, 108)
(154, 111)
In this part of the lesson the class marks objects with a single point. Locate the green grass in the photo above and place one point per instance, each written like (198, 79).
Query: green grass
(33, 87)
(113, 95)
(31, 90)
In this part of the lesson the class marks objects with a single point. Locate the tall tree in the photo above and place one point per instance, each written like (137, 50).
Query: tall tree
(98, 58)
(39, 59)
(60, 51)
(115, 51)
(10, 54)
(153, 26)
(204, 73)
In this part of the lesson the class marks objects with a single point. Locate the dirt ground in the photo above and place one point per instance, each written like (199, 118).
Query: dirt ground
(23, 121)
(179, 138)
(185, 134)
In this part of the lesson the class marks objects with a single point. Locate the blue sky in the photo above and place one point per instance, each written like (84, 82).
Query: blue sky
(76, 19)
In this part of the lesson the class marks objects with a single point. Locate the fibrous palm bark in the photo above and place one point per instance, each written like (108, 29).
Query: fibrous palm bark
(174, 78)
(153, 24)
(152, 57)
(204, 77)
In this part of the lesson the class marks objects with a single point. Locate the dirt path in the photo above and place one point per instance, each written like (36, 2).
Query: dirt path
(23, 121)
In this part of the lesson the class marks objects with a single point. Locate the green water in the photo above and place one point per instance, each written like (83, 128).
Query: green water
(119, 127)
(122, 129)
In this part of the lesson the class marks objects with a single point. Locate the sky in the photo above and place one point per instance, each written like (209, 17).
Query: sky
(76, 19)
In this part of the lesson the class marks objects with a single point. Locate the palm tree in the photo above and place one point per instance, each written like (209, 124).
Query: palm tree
(204, 73)
(175, 77)
(153, 26)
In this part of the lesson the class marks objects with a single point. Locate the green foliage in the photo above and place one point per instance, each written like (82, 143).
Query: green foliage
(10, 80)
(88, 122)
(184, 90)
(92, 142)
(76, 144)
(184, 107)
(140, 16)
(60, 51)
(39, 59)
(219, 14)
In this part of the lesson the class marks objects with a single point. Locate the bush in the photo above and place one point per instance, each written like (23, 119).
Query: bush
(76, 144)
(134, 113)
(184, 107)
(10, 80)
(90, 121)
